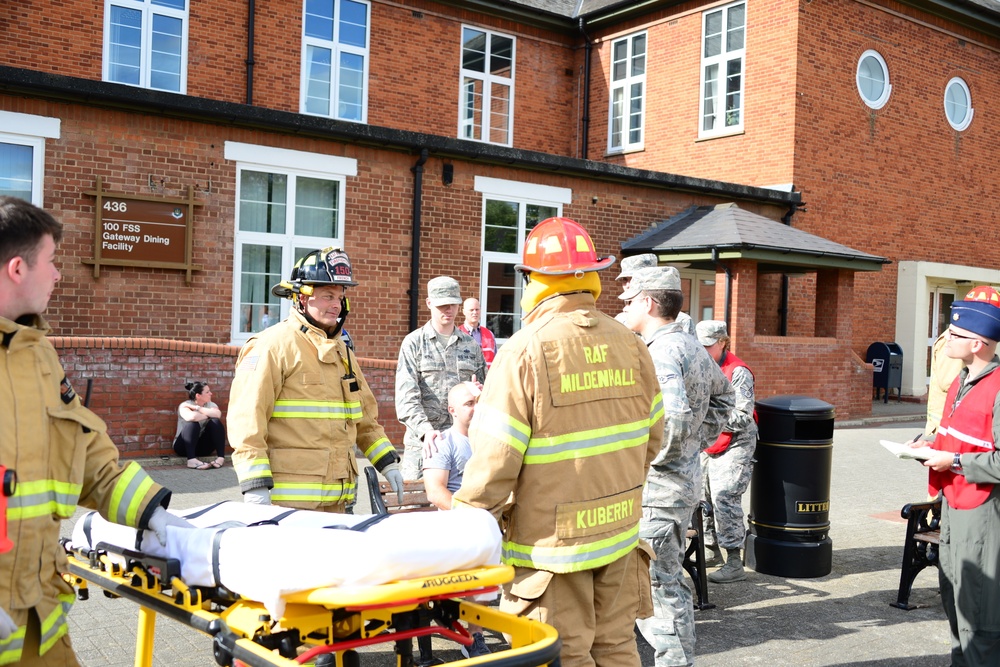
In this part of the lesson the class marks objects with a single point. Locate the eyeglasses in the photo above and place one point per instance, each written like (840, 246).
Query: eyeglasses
(951, 334)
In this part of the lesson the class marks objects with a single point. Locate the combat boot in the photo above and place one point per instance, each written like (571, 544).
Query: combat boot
(731, 571)
(713, 555)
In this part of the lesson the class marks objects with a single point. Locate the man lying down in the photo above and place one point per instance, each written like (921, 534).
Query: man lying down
(302, 550)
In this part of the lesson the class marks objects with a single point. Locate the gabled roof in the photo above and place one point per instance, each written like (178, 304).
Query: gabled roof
(727, 231)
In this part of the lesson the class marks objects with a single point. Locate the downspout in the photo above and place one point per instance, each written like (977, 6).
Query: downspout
(251, 12)
(587, 49)
(729, 280)
(418, 186)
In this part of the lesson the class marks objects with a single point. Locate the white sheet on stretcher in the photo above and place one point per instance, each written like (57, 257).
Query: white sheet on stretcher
(265, 562)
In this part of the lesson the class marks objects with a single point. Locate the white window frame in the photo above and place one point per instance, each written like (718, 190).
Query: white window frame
(625, 86)
(148, 10)
(880, 101)
(488, 81)
(336, 48)
(24, 129)
(292, 164)
(523, 194)
(965, 122)
(721, 61)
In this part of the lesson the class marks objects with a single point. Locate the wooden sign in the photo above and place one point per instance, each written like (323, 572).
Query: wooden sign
(132, 230)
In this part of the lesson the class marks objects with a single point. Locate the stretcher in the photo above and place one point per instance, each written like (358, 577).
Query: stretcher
(416, 590)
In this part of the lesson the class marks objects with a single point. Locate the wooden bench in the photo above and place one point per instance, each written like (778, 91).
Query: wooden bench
(923, 536)
(385, 501)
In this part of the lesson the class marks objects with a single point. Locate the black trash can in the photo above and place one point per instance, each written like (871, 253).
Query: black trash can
(790, 488)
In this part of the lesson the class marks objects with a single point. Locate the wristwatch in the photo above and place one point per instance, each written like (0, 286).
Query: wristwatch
(957, 462)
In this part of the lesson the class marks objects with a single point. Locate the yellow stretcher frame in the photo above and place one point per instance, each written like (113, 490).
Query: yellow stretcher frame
(332, 621)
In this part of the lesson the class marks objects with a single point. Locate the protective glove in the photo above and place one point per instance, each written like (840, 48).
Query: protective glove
(395, 479)
(161, 519)
(7, 626)
(258, 496)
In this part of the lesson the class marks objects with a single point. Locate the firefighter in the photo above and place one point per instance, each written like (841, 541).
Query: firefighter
(569, 420)
(299, 401)
(60, 451)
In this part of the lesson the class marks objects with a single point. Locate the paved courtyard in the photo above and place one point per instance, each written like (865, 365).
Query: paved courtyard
(843, 618)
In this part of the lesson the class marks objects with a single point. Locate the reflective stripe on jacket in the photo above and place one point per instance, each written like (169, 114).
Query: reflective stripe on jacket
(568, 422)
(294, 417)
(63, 457)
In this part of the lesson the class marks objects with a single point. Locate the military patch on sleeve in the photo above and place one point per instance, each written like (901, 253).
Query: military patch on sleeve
(747, 392)
(250, 363)
(66, 392)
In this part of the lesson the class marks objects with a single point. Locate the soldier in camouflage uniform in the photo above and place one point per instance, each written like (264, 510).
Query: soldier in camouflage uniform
(432, 360)
(697, 401)
(632, 264)
(727, 464)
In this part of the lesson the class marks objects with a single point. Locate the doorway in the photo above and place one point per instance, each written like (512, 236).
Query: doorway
(941, 298)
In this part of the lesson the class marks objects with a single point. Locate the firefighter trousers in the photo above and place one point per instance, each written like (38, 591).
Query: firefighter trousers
(593, 610)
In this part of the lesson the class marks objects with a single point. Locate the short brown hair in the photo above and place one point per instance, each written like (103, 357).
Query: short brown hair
(22, 226)
(668, 302)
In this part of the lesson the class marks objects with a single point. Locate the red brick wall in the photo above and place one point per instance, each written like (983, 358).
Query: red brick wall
(672, 100)
(901, 183)
(823, 368)
(415, 58)
(125, 149)
(139, 382)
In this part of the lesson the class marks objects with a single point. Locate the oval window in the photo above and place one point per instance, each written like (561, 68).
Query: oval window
(958, 104)
(873, 79)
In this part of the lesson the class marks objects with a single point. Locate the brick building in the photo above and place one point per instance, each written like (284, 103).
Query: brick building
(427, 137)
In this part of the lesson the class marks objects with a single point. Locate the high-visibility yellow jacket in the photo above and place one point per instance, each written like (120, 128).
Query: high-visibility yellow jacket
(62, 455)
(569, 420)
(295, 416)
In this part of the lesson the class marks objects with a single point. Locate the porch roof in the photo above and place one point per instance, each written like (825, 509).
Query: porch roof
(700, 234)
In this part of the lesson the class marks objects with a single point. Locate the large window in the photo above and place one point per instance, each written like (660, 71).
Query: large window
(145, 43)
(723, 52)
(335, 59)
(510, 210)
(288, 204)
(487, 91)
(22, 153)
(628, 93)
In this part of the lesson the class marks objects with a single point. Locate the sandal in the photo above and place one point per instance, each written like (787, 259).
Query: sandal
(195, 464)
(218, 462)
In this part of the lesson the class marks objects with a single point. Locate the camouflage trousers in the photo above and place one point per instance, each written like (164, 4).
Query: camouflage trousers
(671, 629)
(725, 478)
(412, 465)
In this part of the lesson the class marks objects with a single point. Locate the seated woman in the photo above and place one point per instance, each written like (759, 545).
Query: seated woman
(199, 429)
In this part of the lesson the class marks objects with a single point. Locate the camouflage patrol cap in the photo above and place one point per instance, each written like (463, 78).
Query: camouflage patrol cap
(652, 278)
(443, 291)
(710, 331)
(632, 264)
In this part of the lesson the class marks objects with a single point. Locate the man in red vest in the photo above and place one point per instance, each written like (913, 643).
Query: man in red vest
(480, 334)
(726, 465)
(967, 470)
